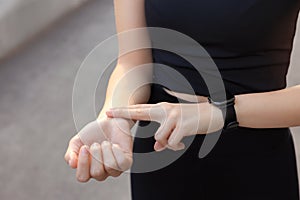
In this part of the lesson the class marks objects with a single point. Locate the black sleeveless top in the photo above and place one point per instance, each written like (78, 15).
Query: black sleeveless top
(250, 41)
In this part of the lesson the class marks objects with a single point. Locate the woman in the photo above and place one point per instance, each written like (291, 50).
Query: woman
(254, 158)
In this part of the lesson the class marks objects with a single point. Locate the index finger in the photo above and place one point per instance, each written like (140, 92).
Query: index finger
(147, 112)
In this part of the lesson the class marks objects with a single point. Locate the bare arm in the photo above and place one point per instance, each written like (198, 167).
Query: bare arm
(270, 109)
(276, 109)
(103, 147)
(129, 15)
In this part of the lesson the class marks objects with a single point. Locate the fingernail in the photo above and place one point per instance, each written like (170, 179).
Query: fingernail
(160, 148)
(70, 162)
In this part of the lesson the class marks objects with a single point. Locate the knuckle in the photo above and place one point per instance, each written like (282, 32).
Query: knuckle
(173, 115)
(170, 106)
(165, 105)
(161, 104)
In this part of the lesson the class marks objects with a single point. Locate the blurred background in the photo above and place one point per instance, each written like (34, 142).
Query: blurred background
(42, 44)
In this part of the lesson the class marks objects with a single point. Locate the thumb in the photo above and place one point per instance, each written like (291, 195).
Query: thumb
(71, 156)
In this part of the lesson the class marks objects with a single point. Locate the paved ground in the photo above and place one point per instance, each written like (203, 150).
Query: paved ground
(35, 111)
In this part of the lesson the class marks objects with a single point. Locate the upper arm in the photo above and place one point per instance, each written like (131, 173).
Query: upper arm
(130, 20)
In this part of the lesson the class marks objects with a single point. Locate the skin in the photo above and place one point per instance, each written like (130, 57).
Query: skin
(109, 152)
(177, 120)
(275, 109)
(255, 110)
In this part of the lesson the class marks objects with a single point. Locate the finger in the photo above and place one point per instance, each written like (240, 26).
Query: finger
(71, 155)
(178, 147)
(97, 169)
(110, 163)
(73, 160)
(159, 147)
(162, 134)
(83, 168)
(175, 139)
(124, 160)
(147, 113)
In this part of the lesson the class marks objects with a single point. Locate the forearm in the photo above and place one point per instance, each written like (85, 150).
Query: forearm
(276, 109)
(127, 86)
(128, 82)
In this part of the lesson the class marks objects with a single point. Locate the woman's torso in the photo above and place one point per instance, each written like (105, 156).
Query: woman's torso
(249, 41)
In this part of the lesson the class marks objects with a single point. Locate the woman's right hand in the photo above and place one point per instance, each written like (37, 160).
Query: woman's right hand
(101, 149)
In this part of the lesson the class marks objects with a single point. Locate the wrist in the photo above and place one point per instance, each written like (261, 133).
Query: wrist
(216, 119)
(102, 115)
(227, 107)
(211, 118)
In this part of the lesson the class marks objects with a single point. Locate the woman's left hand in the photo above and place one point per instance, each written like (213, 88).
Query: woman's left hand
(177, 120)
